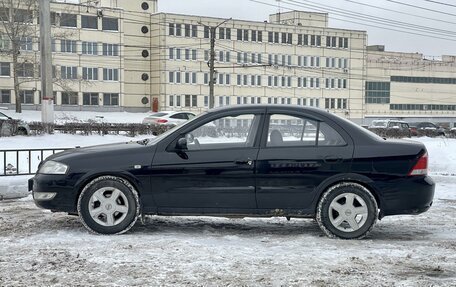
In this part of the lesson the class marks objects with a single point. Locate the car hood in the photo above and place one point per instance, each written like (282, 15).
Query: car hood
(108, 156)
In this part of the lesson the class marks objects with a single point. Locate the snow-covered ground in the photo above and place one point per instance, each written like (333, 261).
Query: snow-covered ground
(43, 248)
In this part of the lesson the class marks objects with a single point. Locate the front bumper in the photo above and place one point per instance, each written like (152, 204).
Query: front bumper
(412, 195)
(54, 192)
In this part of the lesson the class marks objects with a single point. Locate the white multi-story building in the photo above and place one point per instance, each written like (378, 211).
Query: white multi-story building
(296, 59)
(123, 55)
(409, 86)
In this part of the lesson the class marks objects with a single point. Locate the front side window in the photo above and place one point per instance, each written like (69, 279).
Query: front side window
(227, 132)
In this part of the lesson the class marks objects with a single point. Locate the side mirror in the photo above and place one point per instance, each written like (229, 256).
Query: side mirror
(181, 144)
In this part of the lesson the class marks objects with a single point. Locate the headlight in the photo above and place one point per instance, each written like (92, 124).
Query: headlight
(53, 167)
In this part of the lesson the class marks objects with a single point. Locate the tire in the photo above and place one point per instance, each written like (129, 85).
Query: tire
(21, 132)
(99, 214)
(347, 210)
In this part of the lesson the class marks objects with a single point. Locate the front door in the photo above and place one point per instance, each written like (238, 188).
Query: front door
(215, 173)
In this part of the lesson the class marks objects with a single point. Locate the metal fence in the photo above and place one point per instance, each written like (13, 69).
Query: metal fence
(23, 161)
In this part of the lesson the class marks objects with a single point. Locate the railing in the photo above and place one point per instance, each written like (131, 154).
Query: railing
(23, 161)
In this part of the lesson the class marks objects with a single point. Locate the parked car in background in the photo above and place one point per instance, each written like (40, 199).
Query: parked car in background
(168, 118)
(418, 127)
(383, 127)
(262, 161)
(11, 127)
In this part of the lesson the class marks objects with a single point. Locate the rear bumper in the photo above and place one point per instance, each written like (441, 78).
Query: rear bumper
(411, 195)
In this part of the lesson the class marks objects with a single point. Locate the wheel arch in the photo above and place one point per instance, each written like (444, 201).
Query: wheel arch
(123, 175)
(349, 177)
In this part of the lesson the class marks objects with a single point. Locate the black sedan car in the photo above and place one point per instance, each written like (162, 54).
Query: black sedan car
(262, 160)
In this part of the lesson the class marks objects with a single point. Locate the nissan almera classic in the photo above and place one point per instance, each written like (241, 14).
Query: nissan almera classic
(262, 161)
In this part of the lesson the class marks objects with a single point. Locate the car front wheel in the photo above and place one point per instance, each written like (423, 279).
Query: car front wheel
(347, 210)
(108, 205)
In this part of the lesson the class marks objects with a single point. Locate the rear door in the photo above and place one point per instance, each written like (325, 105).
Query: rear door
(298, 152)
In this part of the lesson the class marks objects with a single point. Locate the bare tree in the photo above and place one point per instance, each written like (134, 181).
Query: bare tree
(16, 23)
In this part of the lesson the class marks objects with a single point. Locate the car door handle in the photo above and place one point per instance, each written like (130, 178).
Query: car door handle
(244, 161)
(332, 159)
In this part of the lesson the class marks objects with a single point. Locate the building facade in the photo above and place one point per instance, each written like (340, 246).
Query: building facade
(123, 55)
(409, 86)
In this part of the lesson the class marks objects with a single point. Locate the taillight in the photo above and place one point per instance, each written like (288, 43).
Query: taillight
(162, 121)
(420, 168)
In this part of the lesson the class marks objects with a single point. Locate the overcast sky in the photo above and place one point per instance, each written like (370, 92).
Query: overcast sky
(344, 13)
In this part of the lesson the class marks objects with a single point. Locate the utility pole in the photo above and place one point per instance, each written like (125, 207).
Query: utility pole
(212, 79)
(47, 102)
(212, 70)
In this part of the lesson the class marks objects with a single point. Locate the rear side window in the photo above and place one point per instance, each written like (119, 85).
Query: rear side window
(286, 130)
(328, 136)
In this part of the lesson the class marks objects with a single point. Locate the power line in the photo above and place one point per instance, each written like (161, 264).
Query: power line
(400, 12)
(440, 3)
(421, 8)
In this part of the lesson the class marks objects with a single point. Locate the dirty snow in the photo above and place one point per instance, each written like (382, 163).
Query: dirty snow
(42, 248)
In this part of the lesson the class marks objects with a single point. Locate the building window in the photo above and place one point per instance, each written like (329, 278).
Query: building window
(69, 72)
(171, 29)
(377, 92)
(90, 73)
(194, 31)
(90, 48)
(27, 97)
(26, 44)
(110, 24)
(89, 22)
(110, 99)
(5, 69)
(25, 70)
(206, 32)
(69, 98)
(171, 77)
(5, 42)
(68, 20)
(90, 99)
(194, 52)
(191, 100)
(171, 100)
(187, 30)
(110, 49)
(22, 16)
(178, 29)
(5, 96)
(110, 74)
(68, 46)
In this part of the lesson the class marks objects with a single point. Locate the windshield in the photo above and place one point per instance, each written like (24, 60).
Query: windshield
(172, 130)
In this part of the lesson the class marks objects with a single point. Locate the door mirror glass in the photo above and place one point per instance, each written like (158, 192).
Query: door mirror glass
(181, 144)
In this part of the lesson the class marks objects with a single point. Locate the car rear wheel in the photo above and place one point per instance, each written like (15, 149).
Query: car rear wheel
(108, 205)
(347, 210)
(22, 132)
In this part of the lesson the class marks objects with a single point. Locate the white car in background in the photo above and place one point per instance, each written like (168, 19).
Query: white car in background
(10, 126)
(169, 118)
